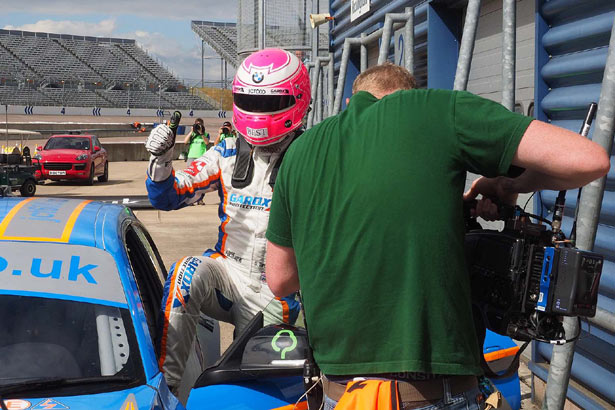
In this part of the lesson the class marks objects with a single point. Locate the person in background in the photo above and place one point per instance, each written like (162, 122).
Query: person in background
(224, 132)
(196, 141)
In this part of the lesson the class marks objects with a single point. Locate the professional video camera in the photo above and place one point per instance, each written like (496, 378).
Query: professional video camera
(526, 277)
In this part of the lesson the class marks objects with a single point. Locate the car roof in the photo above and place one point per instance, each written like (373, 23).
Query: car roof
(72, 135)
(59, 220)
(40, 228)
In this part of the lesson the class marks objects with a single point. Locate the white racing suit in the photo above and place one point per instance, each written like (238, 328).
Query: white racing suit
(228, 281)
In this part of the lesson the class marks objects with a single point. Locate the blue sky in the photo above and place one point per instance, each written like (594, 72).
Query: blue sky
(160, 27)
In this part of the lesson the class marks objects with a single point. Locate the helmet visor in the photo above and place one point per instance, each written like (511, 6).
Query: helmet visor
(263, 103)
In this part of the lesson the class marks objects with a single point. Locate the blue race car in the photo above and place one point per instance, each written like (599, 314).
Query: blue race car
(80, 289)
(81, 284)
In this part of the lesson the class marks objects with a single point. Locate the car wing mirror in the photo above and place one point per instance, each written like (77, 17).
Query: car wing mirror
(39, 148)
(276, 347)
(96, 149)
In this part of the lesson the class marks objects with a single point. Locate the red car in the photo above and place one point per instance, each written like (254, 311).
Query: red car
(74, 157)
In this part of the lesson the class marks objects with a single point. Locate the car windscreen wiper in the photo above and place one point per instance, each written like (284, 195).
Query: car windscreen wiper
(30, 385)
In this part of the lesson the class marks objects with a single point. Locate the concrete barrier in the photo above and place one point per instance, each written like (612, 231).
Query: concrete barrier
(135, 151)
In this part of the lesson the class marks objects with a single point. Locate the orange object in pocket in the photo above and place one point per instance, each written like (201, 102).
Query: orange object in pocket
(370, 395)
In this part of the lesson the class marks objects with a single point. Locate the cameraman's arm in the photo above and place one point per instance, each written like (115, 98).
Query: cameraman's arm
(562, 159)
(553, 158)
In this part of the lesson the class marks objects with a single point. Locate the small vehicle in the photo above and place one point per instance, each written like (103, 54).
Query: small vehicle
(17, 173)
(72, 157)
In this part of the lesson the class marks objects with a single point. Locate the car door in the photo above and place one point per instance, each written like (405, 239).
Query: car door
(150, 274)
(98, 156)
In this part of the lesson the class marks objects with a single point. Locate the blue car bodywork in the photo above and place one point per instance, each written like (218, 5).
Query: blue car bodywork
(80, 288)
(96, 264)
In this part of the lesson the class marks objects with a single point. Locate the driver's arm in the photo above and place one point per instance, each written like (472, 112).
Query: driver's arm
(281, 270)
(179, 189)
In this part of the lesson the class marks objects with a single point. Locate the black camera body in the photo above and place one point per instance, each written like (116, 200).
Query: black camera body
(523, 280)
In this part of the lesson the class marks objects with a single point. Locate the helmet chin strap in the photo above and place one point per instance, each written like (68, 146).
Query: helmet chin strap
(243, 173)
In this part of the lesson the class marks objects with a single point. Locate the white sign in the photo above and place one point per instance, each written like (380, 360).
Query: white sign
(358, 8)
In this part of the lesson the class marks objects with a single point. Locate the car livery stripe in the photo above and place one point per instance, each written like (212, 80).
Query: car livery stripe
(19, 209)
(499, 354)
(302, 405)
(167, 313)
(9, 217)
(45, 295)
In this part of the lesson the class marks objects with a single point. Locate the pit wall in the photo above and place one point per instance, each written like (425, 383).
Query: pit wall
(115, 112)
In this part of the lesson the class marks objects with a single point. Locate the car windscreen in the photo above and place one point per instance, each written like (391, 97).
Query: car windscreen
(45, 338)
(80, 143)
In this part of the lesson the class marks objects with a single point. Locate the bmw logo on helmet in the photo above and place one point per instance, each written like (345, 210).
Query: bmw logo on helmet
(258, 77)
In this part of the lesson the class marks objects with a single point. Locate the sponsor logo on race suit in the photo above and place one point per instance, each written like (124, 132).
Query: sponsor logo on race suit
(250, 202)
(184, 280)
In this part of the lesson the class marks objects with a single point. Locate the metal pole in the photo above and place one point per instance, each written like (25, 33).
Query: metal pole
(341, 77)
(6, 123)
(314, 79)
(509, 50)
(261, 24)
(385, 45)
(587, 225)
(363, 53)
(319, 97)
(331, 84)
(467, 45)
(314, 33)
(202, 63)
(409, 40)
(225, 74)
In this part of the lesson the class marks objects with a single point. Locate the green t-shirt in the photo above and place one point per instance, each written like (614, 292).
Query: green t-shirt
(371, 202)
(198, 146)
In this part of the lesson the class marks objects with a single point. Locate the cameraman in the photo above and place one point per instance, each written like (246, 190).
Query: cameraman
(196, 142)
(225, 131)
(367, 219)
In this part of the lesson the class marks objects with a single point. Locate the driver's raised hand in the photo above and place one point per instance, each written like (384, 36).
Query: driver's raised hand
(160, 140)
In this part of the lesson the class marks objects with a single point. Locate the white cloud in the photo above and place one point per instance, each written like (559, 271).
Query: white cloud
(181, 10)
(103, 28)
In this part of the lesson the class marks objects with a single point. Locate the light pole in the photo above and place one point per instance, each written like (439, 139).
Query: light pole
(128, 88)
(159, 94)
(63, 98)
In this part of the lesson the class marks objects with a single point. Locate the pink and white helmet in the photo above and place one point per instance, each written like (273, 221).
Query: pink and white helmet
(271, 94)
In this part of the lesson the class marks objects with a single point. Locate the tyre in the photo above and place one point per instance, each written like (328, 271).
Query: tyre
(105, 176)
(28, 188)
(90, 180)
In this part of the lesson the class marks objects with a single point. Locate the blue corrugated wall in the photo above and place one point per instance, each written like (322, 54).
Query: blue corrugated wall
(572, 38)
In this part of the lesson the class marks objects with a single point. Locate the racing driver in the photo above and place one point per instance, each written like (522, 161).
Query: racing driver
(271, 95)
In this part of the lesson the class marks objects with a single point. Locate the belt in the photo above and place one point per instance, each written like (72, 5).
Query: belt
(410, 391)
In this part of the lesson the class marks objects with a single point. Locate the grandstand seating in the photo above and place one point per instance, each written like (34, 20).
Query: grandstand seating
(222, 37)
(62, 69)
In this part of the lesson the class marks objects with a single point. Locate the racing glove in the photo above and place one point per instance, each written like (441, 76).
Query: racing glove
(160, 144)
(160, 140)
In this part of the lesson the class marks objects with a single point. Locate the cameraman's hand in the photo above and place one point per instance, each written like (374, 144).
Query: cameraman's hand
(491, 189)
(160, 140)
